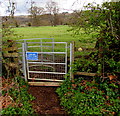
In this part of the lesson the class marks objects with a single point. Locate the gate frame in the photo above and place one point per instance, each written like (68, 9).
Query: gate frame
(24, 60)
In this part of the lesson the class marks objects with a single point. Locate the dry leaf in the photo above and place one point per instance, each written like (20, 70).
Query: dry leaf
(107, 97)
(113, 113)
(111, 77)
(74, 85)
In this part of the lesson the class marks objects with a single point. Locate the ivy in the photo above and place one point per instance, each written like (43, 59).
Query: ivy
(81, 96)
(22, 100)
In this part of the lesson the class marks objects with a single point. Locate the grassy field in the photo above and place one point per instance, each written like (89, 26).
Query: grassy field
(59, 33)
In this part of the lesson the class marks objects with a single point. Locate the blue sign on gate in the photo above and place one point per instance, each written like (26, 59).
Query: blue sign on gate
(32, 55)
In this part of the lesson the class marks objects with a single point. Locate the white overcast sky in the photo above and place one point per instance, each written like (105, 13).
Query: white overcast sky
(22, 6)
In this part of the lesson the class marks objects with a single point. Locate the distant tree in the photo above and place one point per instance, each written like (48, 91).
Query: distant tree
(53, 10)
(10, 20)
(11, 8)
(35, 14)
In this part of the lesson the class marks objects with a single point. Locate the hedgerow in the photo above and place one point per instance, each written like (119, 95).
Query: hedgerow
(99, 96)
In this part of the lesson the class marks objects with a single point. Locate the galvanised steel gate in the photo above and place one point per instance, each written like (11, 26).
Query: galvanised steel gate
(44, 60)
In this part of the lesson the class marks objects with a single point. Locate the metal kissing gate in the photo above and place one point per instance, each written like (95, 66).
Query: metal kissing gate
(45, 60)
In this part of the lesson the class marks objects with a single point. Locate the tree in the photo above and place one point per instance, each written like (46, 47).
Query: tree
(35, 14)
(106, 20)
(53, 10)
(11, 20)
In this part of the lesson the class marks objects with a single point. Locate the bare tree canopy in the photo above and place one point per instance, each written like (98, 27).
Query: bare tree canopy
(36, 12)
(53, 10)
(52, 7)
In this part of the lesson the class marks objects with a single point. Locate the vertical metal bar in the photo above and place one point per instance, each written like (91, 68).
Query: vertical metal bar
(53, 47)
(26, 48)
(41, 50)
(66, 58)
(27, 66)
(24, 61)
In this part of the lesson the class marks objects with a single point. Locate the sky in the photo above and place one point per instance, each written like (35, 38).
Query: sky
(22, 6)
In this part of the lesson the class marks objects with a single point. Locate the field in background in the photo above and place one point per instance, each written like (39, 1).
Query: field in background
(59, 33)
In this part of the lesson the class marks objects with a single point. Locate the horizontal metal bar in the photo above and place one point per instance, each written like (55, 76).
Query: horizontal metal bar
(44, 79)
(35, 38)
(39, 46)
(46, 72)
(49, 42)
(34, 42)
(45, 63)
(48, 52)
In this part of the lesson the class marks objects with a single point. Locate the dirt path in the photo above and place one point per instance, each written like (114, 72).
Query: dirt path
(46, 101)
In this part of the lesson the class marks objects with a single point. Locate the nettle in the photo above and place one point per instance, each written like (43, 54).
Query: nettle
(90, 97)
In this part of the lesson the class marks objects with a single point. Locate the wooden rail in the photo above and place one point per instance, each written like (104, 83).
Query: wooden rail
(15, 55)
(86, 74)
(44, 83)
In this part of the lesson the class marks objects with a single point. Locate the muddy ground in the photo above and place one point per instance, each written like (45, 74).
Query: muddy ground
(46, 101)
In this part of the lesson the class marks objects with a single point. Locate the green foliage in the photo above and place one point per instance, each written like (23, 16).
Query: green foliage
(80, 97)
(93, 65)
(85, 65)
(9, 62)
(21, 98)
(105, 20)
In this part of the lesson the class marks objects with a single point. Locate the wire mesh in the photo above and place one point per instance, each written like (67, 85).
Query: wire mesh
(51, 63)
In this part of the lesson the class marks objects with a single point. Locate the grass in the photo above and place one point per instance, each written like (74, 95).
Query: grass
(59, 33)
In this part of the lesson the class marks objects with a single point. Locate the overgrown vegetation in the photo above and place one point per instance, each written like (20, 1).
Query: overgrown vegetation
(20, 101)
(15, 98)
(105, 20)
(90, 97)
(99, 95)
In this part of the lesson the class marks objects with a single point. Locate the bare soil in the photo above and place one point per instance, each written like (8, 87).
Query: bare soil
(46, 101)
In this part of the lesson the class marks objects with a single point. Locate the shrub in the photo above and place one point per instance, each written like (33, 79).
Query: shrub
(105, 20)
